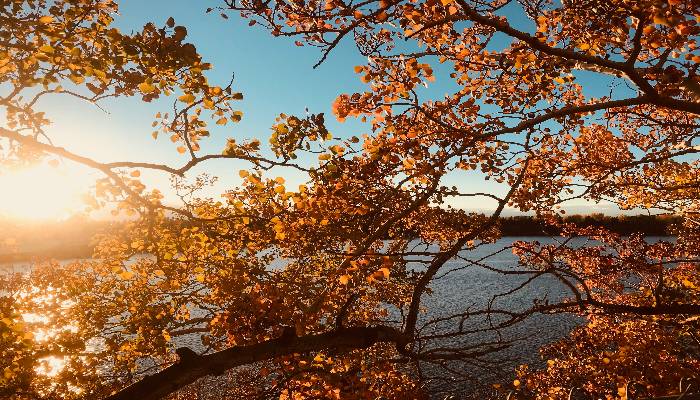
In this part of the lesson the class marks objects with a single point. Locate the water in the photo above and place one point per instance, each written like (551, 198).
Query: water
(455, 316)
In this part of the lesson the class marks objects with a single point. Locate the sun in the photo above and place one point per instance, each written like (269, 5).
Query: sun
(43, 192)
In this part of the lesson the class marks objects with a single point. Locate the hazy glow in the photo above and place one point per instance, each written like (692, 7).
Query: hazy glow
(42, 192)
(43, 332)
(50, 366)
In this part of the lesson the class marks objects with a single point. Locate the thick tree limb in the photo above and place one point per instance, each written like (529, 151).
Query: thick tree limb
(195, 366)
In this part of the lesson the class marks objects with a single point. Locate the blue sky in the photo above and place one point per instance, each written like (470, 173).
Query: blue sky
(274, 75)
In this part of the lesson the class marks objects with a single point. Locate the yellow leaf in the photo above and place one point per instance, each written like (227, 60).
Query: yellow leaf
(146, 87)
(77, 79)
(135, 173)
(46, 49)
(181, 149)
(243, 173)
(200, 278)
(46, 19)
(221, 121)
(159, 272)
(100, 74)
(186, 98)
(446, 2)
(126, 275)
(344, 279)
(279, 189)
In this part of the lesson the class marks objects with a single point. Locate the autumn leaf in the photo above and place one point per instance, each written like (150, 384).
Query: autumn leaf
(47, 49)
(126, 275)
(77, 79)
(187, 98)
(146, 87)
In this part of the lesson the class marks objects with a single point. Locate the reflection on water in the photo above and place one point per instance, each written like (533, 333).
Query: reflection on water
(461, 285)
(37, 324)
(51, 366)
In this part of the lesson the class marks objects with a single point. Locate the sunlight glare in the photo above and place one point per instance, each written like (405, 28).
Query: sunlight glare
(43, 192)
(50, 366)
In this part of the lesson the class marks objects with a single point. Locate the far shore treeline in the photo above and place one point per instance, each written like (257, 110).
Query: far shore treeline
(649, 225)
(73, 238)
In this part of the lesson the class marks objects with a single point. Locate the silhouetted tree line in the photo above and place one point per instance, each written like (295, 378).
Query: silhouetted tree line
(650, 225)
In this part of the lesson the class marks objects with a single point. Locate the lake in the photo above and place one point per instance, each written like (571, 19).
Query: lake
(461, 286)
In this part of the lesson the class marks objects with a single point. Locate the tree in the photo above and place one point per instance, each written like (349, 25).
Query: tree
(369, 233)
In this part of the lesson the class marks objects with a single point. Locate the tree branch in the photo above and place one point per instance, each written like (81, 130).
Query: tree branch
(195, 366)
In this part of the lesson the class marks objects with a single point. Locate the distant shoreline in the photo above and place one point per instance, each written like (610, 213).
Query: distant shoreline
(61, 253)
(74, 238)
(648, 225)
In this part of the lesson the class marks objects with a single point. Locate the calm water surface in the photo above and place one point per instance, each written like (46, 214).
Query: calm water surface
(462, 286)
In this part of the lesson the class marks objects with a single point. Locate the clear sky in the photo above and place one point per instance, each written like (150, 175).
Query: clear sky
(273, 74)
